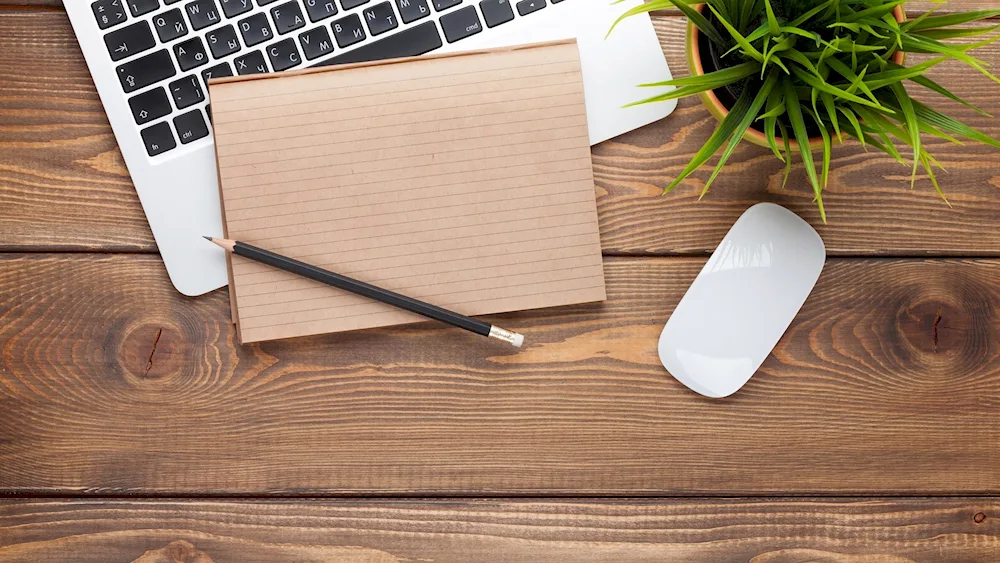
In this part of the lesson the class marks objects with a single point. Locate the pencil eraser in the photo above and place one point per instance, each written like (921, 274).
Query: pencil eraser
(518, 340)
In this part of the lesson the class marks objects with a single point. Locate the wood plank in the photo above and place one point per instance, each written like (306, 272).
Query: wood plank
(696, 530)
(63, 184)
(111, 382)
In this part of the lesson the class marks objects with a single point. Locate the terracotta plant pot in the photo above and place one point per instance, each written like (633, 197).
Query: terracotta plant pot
(717, 107)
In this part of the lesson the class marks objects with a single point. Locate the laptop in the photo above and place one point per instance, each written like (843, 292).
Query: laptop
(151, 61)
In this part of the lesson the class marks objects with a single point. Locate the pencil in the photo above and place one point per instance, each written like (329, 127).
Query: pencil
(368, 290)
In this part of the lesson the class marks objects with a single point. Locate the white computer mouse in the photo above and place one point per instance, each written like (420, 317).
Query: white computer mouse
(742, 300)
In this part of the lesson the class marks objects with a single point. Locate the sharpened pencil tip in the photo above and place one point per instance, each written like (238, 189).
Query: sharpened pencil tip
(206, 238)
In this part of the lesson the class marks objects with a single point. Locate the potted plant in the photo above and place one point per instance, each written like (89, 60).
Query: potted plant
(798, 75)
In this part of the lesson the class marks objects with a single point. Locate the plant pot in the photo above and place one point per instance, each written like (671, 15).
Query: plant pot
(701, 55)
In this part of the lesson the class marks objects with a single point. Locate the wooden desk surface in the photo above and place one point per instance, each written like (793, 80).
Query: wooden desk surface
(130, 419)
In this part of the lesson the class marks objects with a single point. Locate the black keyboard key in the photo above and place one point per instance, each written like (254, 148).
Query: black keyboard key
(525, 7)
(233, 8)
(320, 9)
(380, 18)
(129, 40)
(191, 53)
(171, 1)
(265, 2)
(186, 91)
(149, 69)
(250, 63)
(158, 138)
(108, 12)
(202, 13)
(440, 5)
(217, 71)
(170, 25)
(255, 29)
(283, 54)
(410, 42)
(150, 105)
(142, 7)
(461, 24)
(223, 41)
(190, 126)
(208, 112)
(496, 12)
(348, 31)
(315, 43)
(287, 17)
(348, 4)
(412, 10)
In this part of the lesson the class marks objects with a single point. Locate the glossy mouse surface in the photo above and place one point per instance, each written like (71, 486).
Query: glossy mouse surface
(742, 301)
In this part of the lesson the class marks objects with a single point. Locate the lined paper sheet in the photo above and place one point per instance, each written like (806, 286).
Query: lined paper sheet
(462, 180)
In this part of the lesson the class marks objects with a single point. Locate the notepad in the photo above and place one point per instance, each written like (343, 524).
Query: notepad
(463, 180)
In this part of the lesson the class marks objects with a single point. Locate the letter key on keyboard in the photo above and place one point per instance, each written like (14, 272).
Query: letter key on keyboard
(348, 30)
(170, 25)
(412, 10)
(283, 54)
(496, 12)
(202, 13)
(315, 43)
(217, 71)
(223, 41)
(108, 12)
(139, 73)
(129, 40)
(142, 7)
(250, 63)
(233, 8)
(255, 29)
(158, 138)
(287, 17)
(460, 24)
(191, 53)
(410, 42)
(380, 18)
(320, 9)
(348, 4)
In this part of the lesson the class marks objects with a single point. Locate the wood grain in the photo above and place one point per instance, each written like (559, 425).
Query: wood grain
(63, 185)
(111, 382)
(762, 531)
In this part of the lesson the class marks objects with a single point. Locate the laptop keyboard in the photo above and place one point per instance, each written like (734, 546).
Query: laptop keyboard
(167, 50)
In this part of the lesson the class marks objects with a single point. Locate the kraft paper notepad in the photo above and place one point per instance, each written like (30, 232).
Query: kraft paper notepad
(463, 180)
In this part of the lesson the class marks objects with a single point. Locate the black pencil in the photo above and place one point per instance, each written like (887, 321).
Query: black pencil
(368, 290)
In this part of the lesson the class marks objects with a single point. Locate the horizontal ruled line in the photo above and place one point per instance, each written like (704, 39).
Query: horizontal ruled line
(405, 167)
(390, 226)
(396, 81)
(223, 132)
(426, 198)
(287, 103)
(434, 150)
(382, 281)
(336, 265)
(476, 236)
